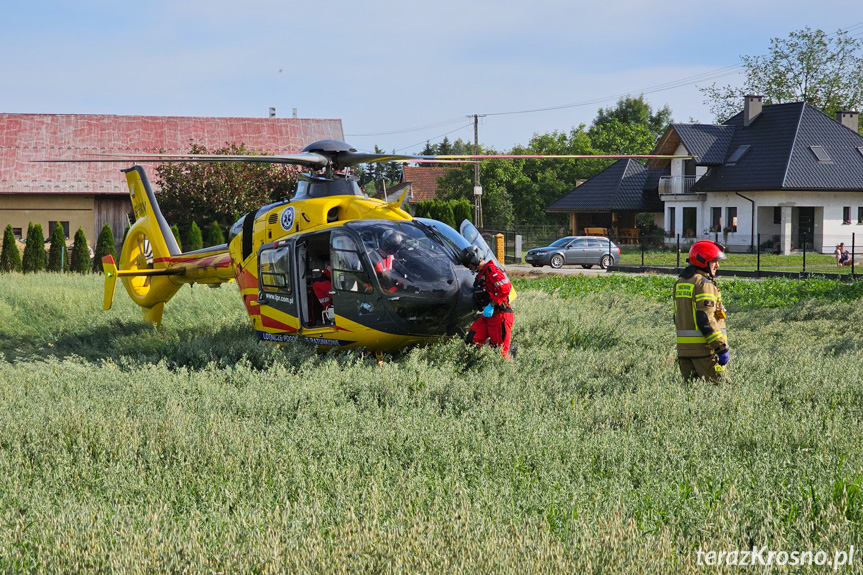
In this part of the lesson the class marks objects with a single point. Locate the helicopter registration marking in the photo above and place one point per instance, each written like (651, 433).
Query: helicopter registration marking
(287, 218)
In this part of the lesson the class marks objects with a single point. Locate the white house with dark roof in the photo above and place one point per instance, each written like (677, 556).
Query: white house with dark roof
(784, 174)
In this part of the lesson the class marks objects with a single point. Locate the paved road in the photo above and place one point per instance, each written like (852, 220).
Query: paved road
(566, 270)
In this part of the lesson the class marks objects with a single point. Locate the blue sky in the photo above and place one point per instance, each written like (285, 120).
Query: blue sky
(397, 74)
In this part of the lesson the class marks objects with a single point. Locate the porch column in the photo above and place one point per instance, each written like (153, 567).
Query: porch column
(573, 223)
(786, 230)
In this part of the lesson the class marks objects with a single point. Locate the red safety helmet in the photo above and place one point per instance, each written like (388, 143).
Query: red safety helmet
(705, 251)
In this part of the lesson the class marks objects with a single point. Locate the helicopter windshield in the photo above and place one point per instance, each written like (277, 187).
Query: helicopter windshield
(416, 267)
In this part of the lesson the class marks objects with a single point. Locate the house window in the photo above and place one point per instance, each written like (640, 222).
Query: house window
(732, 218)
(672, 214)
(690, 222)
(820, 153)
(846, 215)
(17, 233)
(860, 215)
(738, 153)
(777, 215)
(52, 225)
(715, 219)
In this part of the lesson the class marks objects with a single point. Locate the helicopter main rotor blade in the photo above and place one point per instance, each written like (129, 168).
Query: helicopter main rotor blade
(305, 159)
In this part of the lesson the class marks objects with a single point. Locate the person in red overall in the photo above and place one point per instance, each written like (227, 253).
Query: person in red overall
(391, 242)
(322, 287)
(491, 296)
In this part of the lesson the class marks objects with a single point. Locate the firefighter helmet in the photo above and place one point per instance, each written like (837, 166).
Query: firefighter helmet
(705, 251)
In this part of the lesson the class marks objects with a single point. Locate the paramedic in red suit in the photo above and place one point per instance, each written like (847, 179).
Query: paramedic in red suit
(322, 287)
(391, 243)
(491, 296)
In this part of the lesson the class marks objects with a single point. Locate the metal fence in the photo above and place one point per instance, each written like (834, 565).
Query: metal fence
(748, 256)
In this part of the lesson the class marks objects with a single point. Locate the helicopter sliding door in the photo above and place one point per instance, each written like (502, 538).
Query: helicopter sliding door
(313, 255)
(353, 292)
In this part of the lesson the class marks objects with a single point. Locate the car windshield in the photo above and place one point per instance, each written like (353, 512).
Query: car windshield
(560, 243)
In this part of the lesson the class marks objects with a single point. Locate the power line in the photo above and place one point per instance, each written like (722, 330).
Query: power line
(689, 80)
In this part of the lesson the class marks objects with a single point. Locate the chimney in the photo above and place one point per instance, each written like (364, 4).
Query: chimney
(272, 112)
(751, 108)
(849, 118)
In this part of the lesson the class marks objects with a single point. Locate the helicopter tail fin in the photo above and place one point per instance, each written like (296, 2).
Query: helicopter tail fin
(148, 251)
(110, 269)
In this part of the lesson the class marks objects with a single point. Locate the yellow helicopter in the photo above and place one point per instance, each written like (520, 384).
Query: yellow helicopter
(329, 265)
(392, 280)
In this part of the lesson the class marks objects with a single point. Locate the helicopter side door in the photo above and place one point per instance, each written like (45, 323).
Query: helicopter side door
(276, 287)
(354, 296)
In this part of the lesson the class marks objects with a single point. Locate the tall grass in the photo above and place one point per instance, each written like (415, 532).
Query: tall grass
(196, 448)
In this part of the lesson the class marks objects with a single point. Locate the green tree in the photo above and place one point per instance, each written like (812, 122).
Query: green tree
(57, 252)
(194, 240)
(215, 236)
(80, 260)
(461, 210)
(175, 231)
(34, 250)
(631, 111)
(215, 191)
(104, 247)
(810, 66)
(10, 257)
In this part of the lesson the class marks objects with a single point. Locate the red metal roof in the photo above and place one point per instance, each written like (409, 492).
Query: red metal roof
(26, 137)
(423, 182)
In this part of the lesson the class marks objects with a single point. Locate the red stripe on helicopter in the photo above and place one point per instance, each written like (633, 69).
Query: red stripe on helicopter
(267, 321)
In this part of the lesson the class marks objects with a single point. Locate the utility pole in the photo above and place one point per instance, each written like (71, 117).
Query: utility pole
(477, 188)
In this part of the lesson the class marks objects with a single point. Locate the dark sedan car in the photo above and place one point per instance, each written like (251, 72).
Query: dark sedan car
(588, 251)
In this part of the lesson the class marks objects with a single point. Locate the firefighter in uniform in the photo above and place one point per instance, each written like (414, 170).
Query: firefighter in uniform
(490, 296)
(699, 316)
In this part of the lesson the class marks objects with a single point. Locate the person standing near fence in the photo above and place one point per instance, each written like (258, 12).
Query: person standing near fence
(699, 316)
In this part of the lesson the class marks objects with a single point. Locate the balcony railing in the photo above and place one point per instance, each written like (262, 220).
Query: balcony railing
(676, 184)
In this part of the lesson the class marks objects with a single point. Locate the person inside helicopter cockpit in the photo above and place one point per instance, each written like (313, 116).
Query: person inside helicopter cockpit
(385, 259)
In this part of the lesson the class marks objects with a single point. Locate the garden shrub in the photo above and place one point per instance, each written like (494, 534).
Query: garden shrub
(80, 259)
(10, 257)
(104, 247)
(35, 258)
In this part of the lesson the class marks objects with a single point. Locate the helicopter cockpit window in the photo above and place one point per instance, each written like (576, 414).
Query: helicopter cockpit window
(347, 266)
(274, 270)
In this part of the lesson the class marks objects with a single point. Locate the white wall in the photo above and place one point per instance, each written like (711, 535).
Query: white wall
(829, 228)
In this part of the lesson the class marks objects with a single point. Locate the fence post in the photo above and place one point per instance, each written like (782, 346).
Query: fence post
(678, 251)
(758, 259)
(642, 255)
(852, 255)
(803, 240)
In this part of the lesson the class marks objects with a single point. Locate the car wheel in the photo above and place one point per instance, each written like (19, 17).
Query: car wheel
(557, 261)
(587, 266)
(605, 261)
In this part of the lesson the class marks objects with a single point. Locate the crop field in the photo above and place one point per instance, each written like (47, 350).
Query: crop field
(195, 448)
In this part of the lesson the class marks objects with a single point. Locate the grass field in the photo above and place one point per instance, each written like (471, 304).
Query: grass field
(195, 448)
